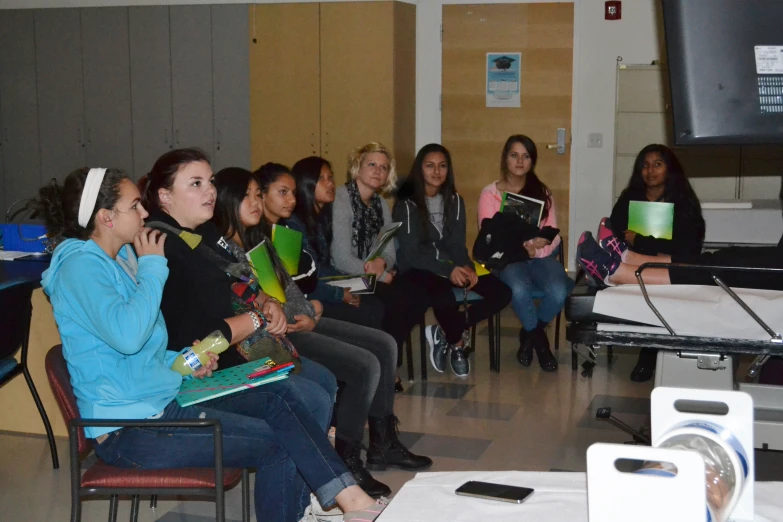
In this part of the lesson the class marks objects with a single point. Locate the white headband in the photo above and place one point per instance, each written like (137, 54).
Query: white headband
(90, 195)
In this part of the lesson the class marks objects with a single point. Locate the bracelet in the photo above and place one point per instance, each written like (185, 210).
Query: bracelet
(256, 321)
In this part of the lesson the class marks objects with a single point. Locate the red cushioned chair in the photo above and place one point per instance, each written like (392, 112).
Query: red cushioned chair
(102, 479)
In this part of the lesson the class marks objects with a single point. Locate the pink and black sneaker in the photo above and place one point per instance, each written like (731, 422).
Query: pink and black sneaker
(609, 242)
(597, 263)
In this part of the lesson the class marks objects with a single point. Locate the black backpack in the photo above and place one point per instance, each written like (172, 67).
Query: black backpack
(501, 240)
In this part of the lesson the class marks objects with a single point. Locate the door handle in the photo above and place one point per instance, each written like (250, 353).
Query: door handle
(560, 146)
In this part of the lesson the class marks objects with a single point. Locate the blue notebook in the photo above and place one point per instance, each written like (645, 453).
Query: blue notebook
(228, 381)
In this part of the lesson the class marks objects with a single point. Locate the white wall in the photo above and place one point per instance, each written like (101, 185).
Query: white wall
(597, 44)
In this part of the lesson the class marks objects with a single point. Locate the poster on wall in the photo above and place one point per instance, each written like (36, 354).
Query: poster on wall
(503, 79)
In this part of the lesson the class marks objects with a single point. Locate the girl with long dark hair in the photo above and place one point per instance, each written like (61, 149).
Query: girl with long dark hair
(363, 358)
(658, 176)
(543, 272)
(433, 256)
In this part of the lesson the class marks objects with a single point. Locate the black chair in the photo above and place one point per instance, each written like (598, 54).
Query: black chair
(16, 310)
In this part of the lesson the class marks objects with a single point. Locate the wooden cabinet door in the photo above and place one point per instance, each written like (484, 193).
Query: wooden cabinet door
(150, 84)
(58, 53)
(21, 163)
(191, 76)
(284, 83)
(357, 78)
(231, 84)
(107, 98)
(474, 133)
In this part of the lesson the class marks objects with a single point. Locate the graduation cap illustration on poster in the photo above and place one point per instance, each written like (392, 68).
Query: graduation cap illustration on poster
(503, 62)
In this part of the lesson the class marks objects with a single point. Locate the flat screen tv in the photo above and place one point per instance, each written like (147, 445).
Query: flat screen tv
(725, 61)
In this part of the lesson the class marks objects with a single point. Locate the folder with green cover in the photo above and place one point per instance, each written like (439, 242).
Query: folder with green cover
(264, 270)
(649, 218)
(288, 243)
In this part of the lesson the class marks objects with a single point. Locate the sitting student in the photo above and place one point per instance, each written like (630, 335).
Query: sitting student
(543, 272)
(106, 304)
(363, 358)
(199, 294)
(359, 214)
(658, 176)
(432, 254)
(313, 218)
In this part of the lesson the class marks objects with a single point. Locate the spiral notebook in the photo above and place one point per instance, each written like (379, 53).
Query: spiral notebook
(228, 381)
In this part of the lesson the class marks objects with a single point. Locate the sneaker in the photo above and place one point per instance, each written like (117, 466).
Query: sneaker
(460, 364)
(439, 348)
(609, 242)
(595, 261)
(319, 514)
(367, 514)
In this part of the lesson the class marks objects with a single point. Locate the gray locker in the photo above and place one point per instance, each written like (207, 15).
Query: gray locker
(60, 91)
(21, 164)
(231, 83)
(191, 76)
(107, 99)
(150, 80)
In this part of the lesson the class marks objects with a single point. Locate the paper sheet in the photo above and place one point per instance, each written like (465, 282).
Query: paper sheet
(703, 311)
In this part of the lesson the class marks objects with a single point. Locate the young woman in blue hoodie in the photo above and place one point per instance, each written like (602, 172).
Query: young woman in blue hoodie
(106, 301)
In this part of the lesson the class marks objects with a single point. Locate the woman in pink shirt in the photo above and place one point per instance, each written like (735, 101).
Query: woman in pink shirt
(543, 271)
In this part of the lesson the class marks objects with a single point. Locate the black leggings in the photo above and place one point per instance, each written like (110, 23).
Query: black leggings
(760, 257)
(441, 294)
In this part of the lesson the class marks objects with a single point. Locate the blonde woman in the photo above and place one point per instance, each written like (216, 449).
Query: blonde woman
(359, 213)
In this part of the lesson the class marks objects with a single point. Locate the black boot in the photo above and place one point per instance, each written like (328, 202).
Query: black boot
(525, 352)
(386, 450)
(351, 453)
(540, 344)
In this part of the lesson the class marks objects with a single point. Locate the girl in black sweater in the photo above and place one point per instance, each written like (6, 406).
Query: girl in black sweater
(658, 176)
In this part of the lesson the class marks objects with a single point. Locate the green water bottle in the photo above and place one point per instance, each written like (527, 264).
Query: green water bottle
(196, 356)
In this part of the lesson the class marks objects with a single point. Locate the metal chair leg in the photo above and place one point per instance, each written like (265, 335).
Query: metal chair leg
(423, 349)
(134, 513)
(153, 501)
(574, 357)
(497, 340)
(409, 356)
(44, 417)
(245, 495)
(493, 363)
(113, 501)
(557, 332)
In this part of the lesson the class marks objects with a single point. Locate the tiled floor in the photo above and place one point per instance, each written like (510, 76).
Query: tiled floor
(520, 419)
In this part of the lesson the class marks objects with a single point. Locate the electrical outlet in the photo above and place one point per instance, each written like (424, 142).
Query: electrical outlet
(595, 140)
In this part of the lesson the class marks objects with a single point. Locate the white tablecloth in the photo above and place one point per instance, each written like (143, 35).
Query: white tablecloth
(559, 497)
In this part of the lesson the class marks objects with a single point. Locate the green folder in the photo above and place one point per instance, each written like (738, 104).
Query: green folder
(288, 243)
(651, 219)
(264, 270)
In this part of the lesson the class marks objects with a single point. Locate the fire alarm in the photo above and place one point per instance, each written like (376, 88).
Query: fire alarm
(613, 10)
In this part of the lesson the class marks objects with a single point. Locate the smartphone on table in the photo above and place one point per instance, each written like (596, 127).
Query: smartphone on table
(488, 490)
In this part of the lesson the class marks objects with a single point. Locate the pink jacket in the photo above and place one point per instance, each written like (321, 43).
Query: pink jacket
(489, 205)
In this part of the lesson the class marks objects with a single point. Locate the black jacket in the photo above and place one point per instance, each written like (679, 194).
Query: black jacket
(436, 252)
(687, 236)
(197, 297)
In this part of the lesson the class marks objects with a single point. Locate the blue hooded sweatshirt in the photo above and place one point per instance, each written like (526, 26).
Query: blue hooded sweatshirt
(113, 334)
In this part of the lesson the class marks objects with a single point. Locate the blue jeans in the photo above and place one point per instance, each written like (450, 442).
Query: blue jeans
(268, 428)
(545, 274)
